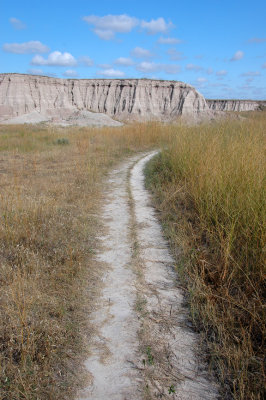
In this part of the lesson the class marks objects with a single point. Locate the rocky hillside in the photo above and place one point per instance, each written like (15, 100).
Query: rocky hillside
(235, 105)
(123, 99)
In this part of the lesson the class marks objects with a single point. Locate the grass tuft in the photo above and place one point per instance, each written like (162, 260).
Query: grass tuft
(62, 141)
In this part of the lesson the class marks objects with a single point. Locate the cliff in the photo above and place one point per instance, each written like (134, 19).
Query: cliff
(123, 99)
(235, 105)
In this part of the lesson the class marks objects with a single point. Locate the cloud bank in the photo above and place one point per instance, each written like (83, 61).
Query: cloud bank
(237, 56)
(108, 26)
(126, 62)
(87, 61)
(193, 67)
(111, 73)
(156, 26)
(34, 46)
(55, 58)
(71, 73)
(139, 52)
(151, 67)
(257, 40)
(168, 40)
(222, 72)
(17, 23)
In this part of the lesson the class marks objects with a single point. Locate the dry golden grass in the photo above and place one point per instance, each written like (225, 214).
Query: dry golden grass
(210, 189)
(49, 196)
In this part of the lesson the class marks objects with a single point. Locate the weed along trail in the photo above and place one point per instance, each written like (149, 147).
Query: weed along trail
(143, 347)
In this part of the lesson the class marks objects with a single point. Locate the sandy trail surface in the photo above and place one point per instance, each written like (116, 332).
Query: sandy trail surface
(144, 347)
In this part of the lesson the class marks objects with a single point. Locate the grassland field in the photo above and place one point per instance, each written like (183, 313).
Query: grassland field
(208, 185)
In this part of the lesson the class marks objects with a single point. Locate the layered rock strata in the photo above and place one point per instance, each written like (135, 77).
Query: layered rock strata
(123, 99)
(235, 105)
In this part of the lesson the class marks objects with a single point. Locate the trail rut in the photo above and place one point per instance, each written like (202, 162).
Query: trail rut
(144, 348)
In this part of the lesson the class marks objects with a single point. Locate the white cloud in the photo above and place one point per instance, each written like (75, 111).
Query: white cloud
(247, 90)
(51, 74)
(111, 73)
(35, 71)
(200, 83)
(56, 58)
(146, 66)
(193, 67)
(126, 62)
(17, 23)
(139, 52)
(168, 40)
(251, 73)
(237, 56)
(71, 73)
(170, 68)
(198, 68)
(34, 46)
(220, 84)
(151, 67)
(202, 80)
(105, 66)
(156, 26)
(104, 34)
(249, 80)
(257, 40)
(87, 61)
(222, 72)
(107, 26)
(175, 55)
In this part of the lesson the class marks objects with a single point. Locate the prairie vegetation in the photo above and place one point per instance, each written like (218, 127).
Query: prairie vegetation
(209, 187)
(49, 196)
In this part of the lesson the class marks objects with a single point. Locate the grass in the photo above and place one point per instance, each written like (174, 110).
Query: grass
(210, 190)
(49, 195)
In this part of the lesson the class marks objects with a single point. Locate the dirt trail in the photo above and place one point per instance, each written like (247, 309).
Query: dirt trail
(143, 348)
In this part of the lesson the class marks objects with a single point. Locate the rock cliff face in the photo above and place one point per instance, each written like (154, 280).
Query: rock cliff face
(125, 99)
(235, 105)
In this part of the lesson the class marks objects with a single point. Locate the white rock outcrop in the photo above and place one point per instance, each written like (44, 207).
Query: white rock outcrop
(79, 118)
(123, 99)
(235, 105)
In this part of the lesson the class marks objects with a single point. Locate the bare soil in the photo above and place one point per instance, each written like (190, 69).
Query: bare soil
(143, 347)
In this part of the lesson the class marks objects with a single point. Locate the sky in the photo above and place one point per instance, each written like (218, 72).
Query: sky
(217, 46)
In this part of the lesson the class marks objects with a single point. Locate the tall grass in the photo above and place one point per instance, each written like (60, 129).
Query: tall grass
(49, 196)
(210, 187)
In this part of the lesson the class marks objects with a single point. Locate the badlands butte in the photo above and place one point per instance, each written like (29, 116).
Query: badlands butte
(33, 99)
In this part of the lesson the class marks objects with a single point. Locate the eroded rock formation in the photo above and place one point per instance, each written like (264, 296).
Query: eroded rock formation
(235, 105)
(125, 99)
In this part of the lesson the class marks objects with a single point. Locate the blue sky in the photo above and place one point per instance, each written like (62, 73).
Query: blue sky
(218, 46)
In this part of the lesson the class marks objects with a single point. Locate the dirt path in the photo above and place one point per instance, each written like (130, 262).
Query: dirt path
(143, 349)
